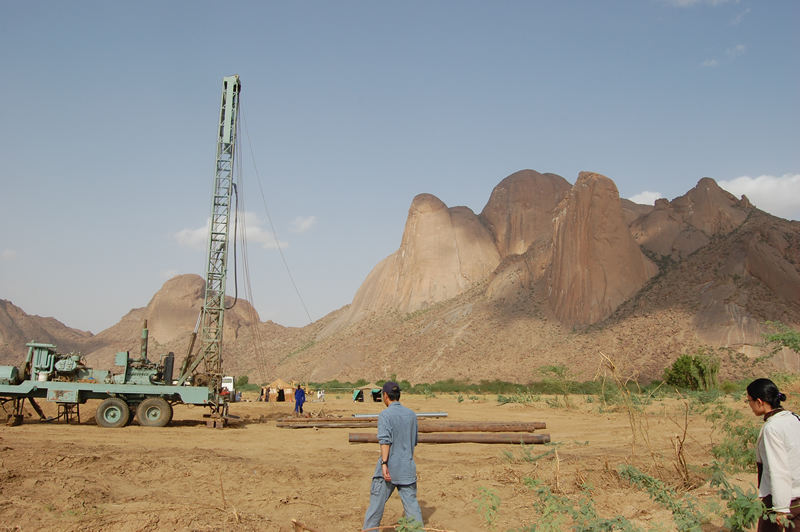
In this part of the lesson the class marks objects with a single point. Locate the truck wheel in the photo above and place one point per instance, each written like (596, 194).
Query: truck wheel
(112, 413)
(154, 412)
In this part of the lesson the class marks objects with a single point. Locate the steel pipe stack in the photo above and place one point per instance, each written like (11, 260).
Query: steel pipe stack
(358, 437)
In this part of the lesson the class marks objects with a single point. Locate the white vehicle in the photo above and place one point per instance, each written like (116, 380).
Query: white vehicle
(229, 383)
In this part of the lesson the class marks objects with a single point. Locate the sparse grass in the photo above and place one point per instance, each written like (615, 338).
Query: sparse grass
(521, 398)
(736, 451)
(559, 512)
(526, 454)
(686, 510)
(308, 345)
(487, 504)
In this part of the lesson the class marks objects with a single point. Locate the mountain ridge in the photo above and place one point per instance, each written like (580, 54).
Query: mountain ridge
(547, 273)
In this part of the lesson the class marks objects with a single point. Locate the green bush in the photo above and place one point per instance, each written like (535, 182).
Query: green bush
(559, 512)
(686, 511)
(695, 372)
(737, 450)
(783, 337)
(745, 508)
(243, 385)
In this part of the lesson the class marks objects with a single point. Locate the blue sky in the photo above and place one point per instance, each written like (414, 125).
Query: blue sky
(351, 109)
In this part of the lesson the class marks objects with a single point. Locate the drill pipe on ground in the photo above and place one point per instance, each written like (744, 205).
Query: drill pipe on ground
(419, 414)
(424, 425)
(323, 425)
(358, 437)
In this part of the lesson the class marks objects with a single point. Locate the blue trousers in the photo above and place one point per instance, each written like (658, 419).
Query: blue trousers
(379, 493)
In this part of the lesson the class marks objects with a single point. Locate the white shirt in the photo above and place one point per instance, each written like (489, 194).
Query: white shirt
(778, 449)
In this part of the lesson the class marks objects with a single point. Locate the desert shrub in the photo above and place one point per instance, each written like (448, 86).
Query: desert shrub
(783, 337)
(561, 378)
(488, 503)
(744, 508)
(559, 512)
(526, 454)
(701, 401)
(243, 385)
(408, 524)
(696, 372)
(737, 450)
(686, 511)
(521, 398)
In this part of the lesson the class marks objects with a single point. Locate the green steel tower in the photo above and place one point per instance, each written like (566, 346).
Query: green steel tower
(213, 315)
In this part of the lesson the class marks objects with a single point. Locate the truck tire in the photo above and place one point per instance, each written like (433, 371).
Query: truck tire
(113, 413)
(154, 412)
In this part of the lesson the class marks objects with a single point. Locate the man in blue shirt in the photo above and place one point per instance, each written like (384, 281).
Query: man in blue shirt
(299, 399)
(397, 435)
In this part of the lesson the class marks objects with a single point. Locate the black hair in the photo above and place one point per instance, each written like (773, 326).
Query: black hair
(394, 394)
(767, 391)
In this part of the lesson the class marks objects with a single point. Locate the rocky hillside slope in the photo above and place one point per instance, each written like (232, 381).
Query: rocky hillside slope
(547, 273)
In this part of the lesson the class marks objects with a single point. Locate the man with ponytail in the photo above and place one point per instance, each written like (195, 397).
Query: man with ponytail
(777, 456)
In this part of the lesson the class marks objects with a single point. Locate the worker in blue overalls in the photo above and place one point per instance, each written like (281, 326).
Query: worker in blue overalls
(299, 399)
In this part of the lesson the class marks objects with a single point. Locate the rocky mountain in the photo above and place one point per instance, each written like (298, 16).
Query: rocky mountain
(547, 273)
(18, 328)
(595, 265)
(680, 227)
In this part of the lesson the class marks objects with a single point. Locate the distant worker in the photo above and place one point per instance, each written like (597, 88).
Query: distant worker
(777, 456)
(321, 395)
(397, 436)
(299, 399)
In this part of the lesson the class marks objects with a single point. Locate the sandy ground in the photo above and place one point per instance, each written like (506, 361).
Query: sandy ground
(255, 476)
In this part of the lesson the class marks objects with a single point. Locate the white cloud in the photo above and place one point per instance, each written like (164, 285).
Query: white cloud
(192, 238)
(9, 254)
(256, 234)
(731, 53)
(646, 197)
(250, 226)
(740, 17)
(776, 195)
(690, 3)
(168, 274)
(735, 52)
(301, 225)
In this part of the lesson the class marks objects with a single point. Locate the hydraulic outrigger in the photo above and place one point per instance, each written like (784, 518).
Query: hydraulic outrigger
(145, 388)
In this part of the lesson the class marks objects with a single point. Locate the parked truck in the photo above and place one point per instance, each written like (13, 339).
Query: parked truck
(143, 388)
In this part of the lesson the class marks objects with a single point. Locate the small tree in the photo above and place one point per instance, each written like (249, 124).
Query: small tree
(696, 372)
(561, 378)
(783, 337)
